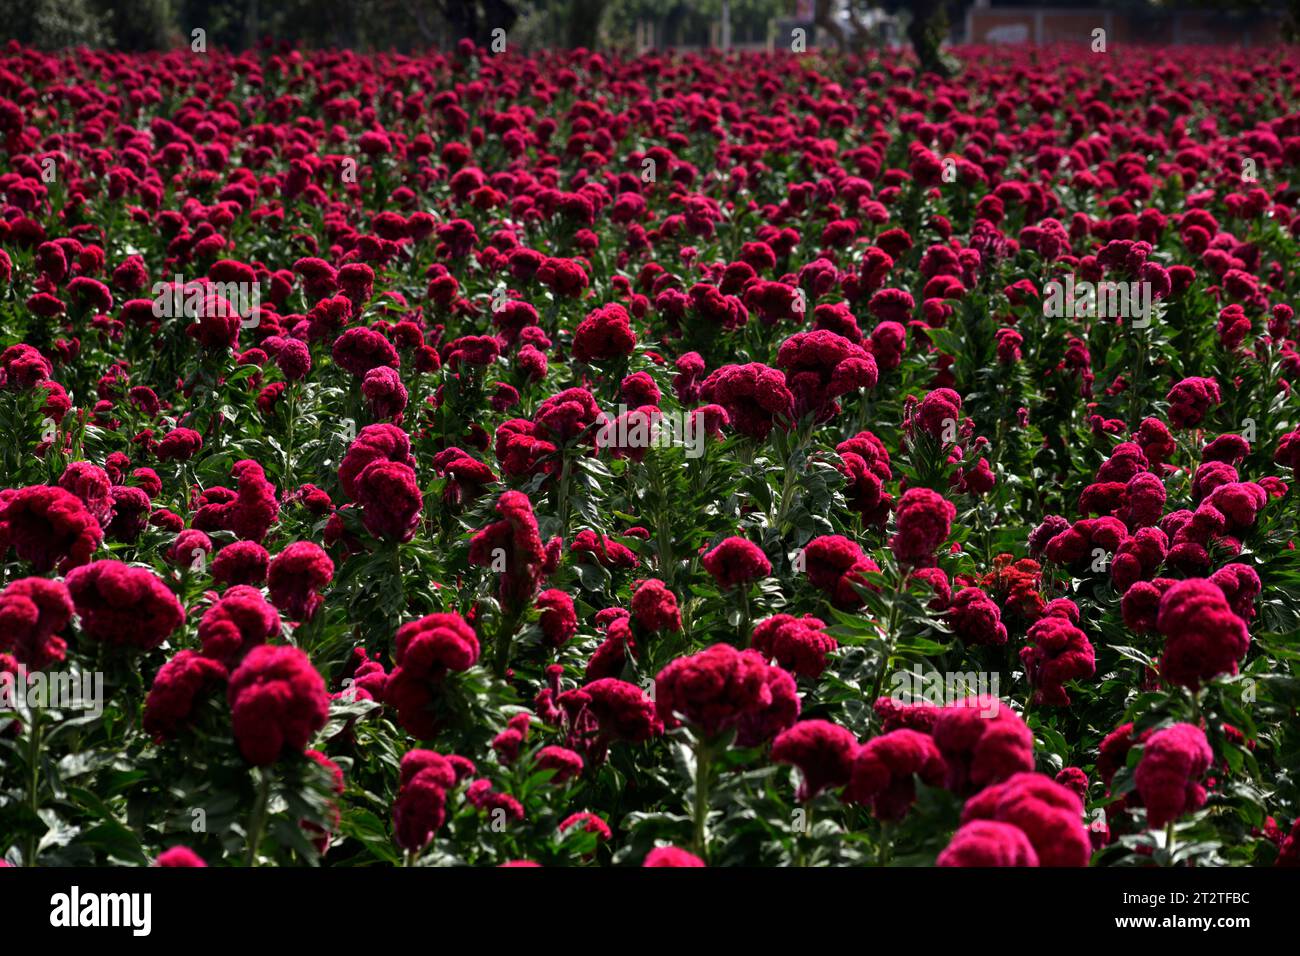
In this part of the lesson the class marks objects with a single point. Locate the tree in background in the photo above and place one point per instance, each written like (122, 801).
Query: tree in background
(927, 26)
(926, 31)
(584, 17)
(410, 25)
(52, 24)
(1290, 12)
(679, 22)
(468, 19)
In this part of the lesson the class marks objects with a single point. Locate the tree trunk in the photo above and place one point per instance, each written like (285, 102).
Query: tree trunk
(926, 35)
(462, 17)
(825, 22)
(251, 25)
(672, 25)
(496, 14)
(584, 23)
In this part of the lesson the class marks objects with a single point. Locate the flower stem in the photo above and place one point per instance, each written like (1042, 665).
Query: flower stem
(804, 837)
(792, 469)
(33, 780)
(886, 849)
(505, 635)
(703, 757)
(258, 823)
(566, 479)
(890, 637)
(291, 399)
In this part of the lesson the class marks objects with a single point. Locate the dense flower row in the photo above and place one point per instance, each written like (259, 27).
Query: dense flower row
(671, 461)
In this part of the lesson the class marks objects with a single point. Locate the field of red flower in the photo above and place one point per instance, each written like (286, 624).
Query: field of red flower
(570, 459)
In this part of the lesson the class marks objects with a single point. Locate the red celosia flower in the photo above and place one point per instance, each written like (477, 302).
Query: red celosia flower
(1050, 815)
(1288, 451)
(277, 702)
(1241, 586)
(375, 442)
(1075, 779)
(177, 689)
(1203, 636)
(983, 741)
(781, 711)
(822, 751)
(936, 415)
(1077, 545)
(819, 366)
(179, 444)
(603, 335)
(654, 607)
(562, 760)
(466, 475)
(1288, 853)
(1168, 774)
(358, 350)
(123, 606)
(885, 769)
(924, 521)
(1239, 502)
(424, 652)
(1113, 752)
(48, 526)
(567, 414)
(1138, 557)
(511, 547)
(91, 484)
(420, 809)
(389, 495)
(131, 513)
(241, 562)
(558, 619)
(236, 623)
(1058, 652)
(591, 548)
(671, 856)
(838, 567)
(975, 618)
(736, 562)
(32, 613)
(22, 367)
(896, 715)
(384, 392)
(622, 710)
(179, 856)
(800, 645)
(296, 576)
(866, 468)
(589, 822)
(756, 397)
(1191, 399)
(988, 843)
(1141, 602)
(714, 689)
